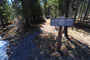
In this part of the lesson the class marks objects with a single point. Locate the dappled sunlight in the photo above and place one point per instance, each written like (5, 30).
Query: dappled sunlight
(80, 36)
(73, 49)
(44, 29)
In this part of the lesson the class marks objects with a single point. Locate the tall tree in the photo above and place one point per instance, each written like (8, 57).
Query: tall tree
(87, 9)
(32, 11)
(61, 7)
(6, 12)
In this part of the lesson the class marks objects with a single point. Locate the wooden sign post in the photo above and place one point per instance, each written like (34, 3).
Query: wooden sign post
(61, 22)
(59, 38)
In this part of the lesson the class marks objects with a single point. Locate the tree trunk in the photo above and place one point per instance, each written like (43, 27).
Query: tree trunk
(86, 11)
(2, 23)
(75, 14)
(25, 13)
(66, 16)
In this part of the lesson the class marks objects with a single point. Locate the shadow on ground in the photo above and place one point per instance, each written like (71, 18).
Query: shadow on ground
(71, 49)
(82, 26)
(26, 49)
(43, 46)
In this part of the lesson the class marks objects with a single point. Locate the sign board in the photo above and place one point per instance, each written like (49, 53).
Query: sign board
(62, 21)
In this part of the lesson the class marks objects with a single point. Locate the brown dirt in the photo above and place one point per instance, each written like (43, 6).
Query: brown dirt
(77, 47)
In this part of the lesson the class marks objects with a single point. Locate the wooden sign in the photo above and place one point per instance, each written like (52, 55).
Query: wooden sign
(62, 21)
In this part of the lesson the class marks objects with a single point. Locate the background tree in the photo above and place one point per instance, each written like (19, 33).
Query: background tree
(32, 11)
(6, 12)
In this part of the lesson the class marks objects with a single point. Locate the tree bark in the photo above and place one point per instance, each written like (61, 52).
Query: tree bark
(2, 23)
(66, 16)
(25, 13)
(75, 14)
(86, 11)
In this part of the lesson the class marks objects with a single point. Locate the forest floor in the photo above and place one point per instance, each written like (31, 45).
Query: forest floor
(42, 43)
(76, 48)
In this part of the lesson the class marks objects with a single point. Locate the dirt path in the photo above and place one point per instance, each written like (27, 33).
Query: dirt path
(41, 45)
(47, 28)
(79, 34)
(77, 48)
(83, 36)
(26, 49)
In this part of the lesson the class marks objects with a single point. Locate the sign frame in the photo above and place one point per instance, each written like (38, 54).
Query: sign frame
(62, 21)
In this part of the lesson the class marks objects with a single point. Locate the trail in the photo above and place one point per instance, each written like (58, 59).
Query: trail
(76, 48)
(26, 49)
